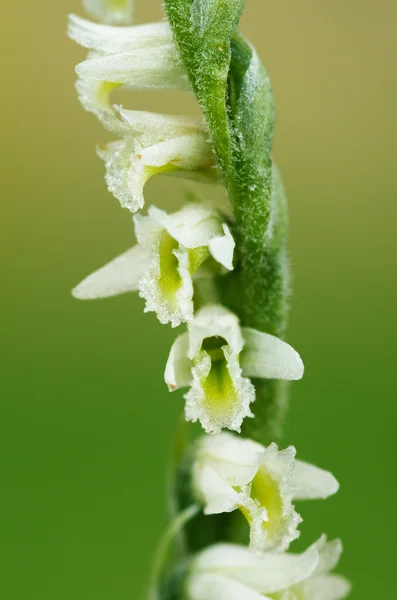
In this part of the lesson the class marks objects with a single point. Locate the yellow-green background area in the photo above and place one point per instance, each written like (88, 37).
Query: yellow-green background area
(86, 419)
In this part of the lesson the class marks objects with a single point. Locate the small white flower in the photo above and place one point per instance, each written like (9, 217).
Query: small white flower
(140, 57)
(160, 144)
(179, 244)
(232, 473)
(215, 358)
(114, 12)
(229, 572)
(170, 251)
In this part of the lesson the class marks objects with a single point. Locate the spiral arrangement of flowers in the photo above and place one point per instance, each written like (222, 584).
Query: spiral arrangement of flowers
(224, 272)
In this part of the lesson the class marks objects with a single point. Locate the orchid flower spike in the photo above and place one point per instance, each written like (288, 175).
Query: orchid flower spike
(171, 250)
(215, 358)
(230, 572)
(139, 57)
(232, 473)
(156, 144)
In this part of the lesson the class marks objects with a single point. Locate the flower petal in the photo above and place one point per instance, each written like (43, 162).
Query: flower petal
(186, 152)
(272, 489)
(218, 587)
(178, 370)
(94, 96)
(125, 173)
(268, 357)
(167, 284)
(222, 248)
(312, 482)
(159, 126)
(215, 321)
(329, 554)
(130, 163)
(111, 40)
(266, 573)
(219, 398)
(117, 12)
(155, 67)
(235, 459)
(117, 277)
(218, 496)
(326, 587)
(193, 226)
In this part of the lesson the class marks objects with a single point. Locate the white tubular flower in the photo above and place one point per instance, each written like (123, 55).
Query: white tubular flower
(232, 473)
(113, 12)
(215, 357)
(229, 572)
(140, 57)
(179, 245)
(170, 251)
(161, 144)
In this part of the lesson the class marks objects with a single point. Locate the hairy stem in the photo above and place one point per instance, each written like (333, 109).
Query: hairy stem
(235, 95)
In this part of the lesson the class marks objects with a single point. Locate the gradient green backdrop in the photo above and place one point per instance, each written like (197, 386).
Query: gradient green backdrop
(85, 417)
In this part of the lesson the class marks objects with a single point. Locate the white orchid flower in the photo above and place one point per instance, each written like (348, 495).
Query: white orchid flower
(232, 473)
(157, 144)
(215, 358)
(140, 57)
(230, 572)
(170, 251)
(114, 12)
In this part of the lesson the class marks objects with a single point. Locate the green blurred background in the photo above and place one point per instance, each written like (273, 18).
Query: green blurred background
(86, 420)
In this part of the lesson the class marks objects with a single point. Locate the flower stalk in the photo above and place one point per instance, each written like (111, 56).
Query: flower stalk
(222, 272)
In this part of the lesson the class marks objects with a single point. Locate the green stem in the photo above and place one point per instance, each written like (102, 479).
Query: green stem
(235, 95)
